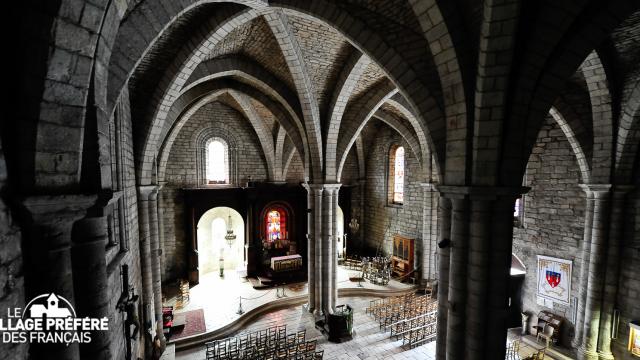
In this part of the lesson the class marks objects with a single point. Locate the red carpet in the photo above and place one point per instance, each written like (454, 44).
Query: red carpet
(195, 324)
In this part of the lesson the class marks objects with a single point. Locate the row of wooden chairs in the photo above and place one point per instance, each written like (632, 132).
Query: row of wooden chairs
(411, 317)
(419, 335)
(406, 308)
(353, 264)
(376, 305)
(271, 343)
(400, 328)
(513, 352)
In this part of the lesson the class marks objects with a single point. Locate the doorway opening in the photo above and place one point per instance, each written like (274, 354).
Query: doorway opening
(217, 250)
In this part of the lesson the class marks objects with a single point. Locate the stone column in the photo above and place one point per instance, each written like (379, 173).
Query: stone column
(428, 245)
(616, 231)
(480, 262)
(161, 231)
(156, 253)
(362, 184)
(595, 278)
(333, 297)
(478, 275)
(90, 281)
(323, 238)
(584, 266)
(327, 240)
(444, 236)
(500, 240)
(456, 316)
(146, 259)
(311, 249)
(316, 241)
(48, 256)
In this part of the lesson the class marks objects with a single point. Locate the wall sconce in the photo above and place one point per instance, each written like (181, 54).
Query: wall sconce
(444, 243)
(634, 338)
(11, 281)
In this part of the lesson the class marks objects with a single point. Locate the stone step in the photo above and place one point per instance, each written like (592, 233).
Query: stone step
(169, 353)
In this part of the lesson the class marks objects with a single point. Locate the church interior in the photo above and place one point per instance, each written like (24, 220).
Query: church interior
(323, 179)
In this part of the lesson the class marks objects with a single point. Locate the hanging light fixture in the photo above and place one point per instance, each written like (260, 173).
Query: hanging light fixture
(230, 237)
(354, 225)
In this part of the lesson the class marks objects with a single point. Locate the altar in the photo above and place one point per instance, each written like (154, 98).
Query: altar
(286, 263)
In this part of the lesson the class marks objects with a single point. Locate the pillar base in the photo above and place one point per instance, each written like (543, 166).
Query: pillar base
(584, 354)
(307, 307)
(318, 314)
(605, 355)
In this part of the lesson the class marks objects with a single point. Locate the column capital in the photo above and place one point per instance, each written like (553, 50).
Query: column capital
(621, 190)
(53, 208)
(480, 192)
(429, 186)
(596, 190)
(148, 192)
(321, 187)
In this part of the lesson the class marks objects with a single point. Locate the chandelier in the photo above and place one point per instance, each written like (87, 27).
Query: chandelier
(354, 225)
(230, 237)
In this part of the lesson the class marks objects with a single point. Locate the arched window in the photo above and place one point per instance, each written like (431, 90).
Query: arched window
(217, 161)
(396, 175)
(274, 229)
(276, 224)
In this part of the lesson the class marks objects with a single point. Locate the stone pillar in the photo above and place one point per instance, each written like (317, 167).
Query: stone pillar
(156, 253)
(146, 260)
(480, 262)
(161, 231)
(318, 242)
(90, 281)
(444, 236)
(456, 316)
(48, 257)
(323, 238)
(584, 267)
(362, 184)
(500, 250)
(334, 252)
(478, 275)
(327, 240)
(311, 249)
(428, 244)
(595, 278)
(616, 231)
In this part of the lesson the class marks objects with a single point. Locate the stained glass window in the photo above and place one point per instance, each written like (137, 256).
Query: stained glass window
(217, 162)
(398, 175)
(275, 220)
(273, 225)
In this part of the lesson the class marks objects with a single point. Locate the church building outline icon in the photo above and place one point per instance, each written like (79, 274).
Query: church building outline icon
(52, 308)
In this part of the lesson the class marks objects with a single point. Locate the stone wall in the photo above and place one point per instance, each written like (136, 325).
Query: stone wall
(383, 220)
(629, 281)
(11, 272)
(132, 256)
(181, 172)
(295, 171)
(553, 216)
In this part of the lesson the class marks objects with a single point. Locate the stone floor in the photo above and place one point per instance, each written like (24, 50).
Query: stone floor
(368, 342)
(219, 297)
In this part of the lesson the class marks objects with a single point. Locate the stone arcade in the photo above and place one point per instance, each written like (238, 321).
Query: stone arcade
(200, 170)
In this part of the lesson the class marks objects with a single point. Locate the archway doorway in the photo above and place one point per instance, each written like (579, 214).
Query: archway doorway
(340, 233)
(518, 272)
(214, 251)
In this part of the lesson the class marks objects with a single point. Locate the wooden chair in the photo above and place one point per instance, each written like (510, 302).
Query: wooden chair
(547, 334)
(540, 354)
(512, 350)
